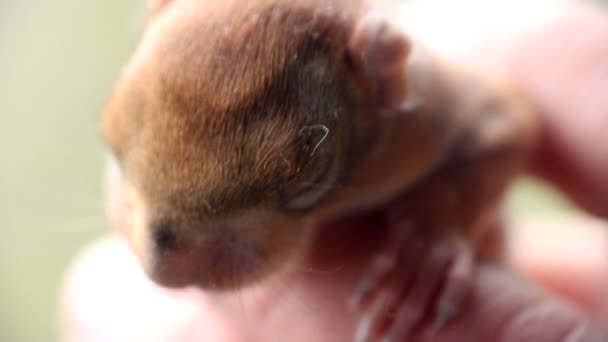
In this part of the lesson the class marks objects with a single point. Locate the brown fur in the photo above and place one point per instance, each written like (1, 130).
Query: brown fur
(242, 107)
(231, 109)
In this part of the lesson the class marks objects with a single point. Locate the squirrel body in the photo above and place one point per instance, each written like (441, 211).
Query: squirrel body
(239, 126)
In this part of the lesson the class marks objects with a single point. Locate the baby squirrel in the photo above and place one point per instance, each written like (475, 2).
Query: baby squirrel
(241, 125)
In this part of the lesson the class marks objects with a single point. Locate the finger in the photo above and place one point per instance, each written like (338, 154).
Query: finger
(563, 69)
(107, 297)
(505, 308)
(557, 52)
(568, 255)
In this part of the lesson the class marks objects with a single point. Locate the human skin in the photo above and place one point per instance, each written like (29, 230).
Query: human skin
(564, 66)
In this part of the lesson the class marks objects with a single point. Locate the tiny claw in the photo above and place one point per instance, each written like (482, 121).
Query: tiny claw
(364, 331)
(444, 314)
(380, 267)
(373, 319)
(457, 286)
(362, 292)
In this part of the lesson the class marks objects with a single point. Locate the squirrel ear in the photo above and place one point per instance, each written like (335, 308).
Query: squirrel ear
(382, 50)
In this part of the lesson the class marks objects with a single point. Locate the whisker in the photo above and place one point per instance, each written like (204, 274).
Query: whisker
(321, 127)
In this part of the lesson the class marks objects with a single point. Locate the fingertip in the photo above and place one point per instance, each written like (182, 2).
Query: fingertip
(106, 297)
(507, 308)
(567, 255)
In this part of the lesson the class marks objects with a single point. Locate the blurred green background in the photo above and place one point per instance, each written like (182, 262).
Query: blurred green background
(58, 60)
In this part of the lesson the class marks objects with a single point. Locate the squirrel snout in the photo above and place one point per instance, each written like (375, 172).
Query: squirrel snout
(175, 257)
(164, 238)
(171, 263)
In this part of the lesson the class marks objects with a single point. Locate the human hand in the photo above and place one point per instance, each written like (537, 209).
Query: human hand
(109, 299)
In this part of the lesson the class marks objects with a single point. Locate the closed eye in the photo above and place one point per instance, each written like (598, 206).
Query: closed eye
(310, 193)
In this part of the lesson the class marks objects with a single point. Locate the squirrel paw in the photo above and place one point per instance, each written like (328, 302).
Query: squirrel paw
(415, 285)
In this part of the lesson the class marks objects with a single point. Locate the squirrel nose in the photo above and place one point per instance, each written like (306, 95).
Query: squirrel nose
(166, 260)
(164, 238)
